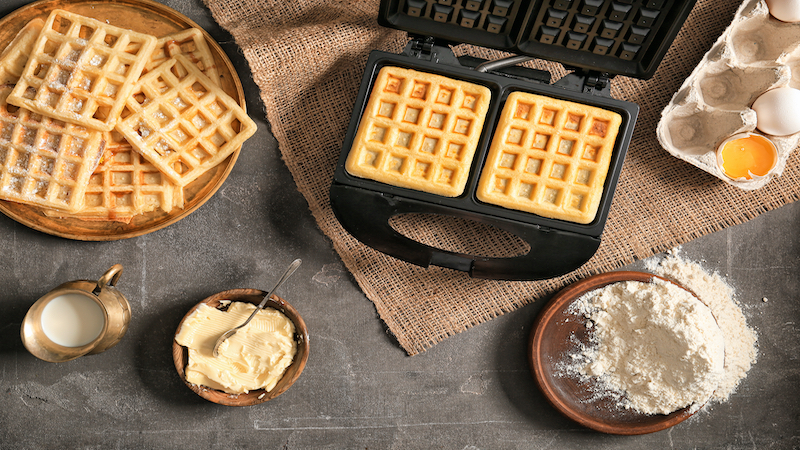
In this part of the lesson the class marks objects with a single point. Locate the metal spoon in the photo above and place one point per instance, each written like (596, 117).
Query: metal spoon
(289, 271)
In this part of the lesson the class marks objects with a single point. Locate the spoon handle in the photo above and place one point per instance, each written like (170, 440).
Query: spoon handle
(289, 271)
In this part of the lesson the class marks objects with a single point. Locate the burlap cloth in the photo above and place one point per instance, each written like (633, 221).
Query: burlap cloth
(308, 56)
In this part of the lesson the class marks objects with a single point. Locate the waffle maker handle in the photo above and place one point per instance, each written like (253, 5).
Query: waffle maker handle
(365, 214)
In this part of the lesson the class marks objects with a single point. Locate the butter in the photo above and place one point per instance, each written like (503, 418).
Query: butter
(256, 357)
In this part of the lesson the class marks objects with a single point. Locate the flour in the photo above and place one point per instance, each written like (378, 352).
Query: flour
(655, 348)
(654, 341)
(740, 340)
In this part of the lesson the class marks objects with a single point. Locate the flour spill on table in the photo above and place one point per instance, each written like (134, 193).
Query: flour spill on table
(655, 348)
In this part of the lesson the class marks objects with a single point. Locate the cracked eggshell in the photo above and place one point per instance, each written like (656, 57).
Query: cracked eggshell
(755, 54)
(747, 156)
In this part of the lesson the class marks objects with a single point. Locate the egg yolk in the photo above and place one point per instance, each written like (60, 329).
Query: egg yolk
(747, 157)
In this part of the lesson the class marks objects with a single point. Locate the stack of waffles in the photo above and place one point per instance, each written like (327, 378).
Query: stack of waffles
(103, 123)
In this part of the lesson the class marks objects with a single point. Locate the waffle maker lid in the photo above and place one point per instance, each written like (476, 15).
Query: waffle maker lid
(612, 37)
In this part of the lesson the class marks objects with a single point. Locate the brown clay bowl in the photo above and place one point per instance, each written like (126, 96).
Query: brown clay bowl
(553, 336)
(180, 354)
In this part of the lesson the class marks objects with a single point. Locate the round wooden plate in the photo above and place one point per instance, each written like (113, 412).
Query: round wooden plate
(180, 354)
(144, 16)
(554, 336)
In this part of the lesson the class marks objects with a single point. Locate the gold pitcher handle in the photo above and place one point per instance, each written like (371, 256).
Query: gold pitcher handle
(110, 278)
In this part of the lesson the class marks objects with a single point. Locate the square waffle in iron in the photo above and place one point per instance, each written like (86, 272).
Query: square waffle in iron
(190, 42)
(81, 70)
(182, 122)
(419, 131)
(124, 185)
(549, 157)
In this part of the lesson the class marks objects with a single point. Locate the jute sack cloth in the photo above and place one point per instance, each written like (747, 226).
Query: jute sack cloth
(308, 57)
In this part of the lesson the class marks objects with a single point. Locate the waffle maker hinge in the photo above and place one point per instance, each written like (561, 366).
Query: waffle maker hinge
(426, 49)
(589, 82)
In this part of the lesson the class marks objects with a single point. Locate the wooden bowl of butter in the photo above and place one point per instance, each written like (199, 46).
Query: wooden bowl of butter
(260, 362)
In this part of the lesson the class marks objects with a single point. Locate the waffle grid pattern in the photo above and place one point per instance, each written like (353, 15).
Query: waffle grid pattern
(493, 16)
(549, 157)
(81, 70)
(189, 42)
(44, 161)
(419, 131)
(616, 28)
(15, 55)
(125, 185)
(182, 122)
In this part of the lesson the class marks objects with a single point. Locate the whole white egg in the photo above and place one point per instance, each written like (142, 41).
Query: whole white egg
(785, 10)
(778, 111)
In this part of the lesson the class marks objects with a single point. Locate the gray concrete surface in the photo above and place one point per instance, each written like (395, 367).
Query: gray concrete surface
(359, 390)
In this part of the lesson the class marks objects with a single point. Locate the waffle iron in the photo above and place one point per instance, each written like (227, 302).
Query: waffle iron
(595, 39)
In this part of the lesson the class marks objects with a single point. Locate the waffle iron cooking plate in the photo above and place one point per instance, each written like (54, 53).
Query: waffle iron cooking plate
(596, 38)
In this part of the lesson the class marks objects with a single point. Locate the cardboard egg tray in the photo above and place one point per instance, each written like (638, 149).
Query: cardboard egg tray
(756, 53)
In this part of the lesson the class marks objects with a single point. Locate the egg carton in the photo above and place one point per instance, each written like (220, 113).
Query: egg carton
(756, 53)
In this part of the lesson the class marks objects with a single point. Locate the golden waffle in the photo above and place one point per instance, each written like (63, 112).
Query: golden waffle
(190, 42)
(15, 55)
(44, 161)
(124, 185)
(81, 70)
(182, 122)
(419, 131)
(549, 157)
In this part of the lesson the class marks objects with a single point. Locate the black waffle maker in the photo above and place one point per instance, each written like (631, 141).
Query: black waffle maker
(595, 39)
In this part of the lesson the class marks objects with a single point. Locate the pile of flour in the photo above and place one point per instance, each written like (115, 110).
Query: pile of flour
(656, 348)
(740, 340)
(654, 341)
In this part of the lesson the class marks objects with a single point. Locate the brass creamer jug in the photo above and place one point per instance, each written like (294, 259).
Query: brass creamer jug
(77, 318)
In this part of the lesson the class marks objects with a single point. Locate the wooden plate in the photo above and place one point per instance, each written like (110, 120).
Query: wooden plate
(553, 337)
(144, 16)
(180, 354)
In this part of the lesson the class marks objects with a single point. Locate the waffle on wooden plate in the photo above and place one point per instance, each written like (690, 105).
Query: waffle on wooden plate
(182, 122)
(419, 131)
(124, 185)
(81, 70)
(69, 82)
(45, 162)
(549, 157)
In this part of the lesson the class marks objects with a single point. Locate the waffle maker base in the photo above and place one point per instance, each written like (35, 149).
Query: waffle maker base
(365, 207)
